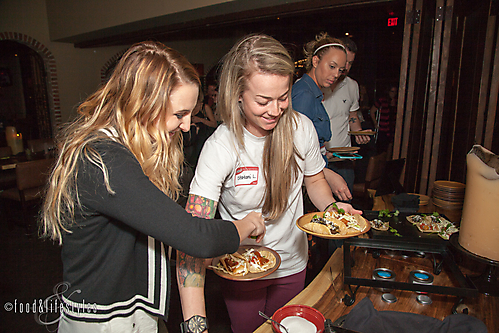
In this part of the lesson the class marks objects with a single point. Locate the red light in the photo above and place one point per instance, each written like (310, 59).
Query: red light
(392, 21)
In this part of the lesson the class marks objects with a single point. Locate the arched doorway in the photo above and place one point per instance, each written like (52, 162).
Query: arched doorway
(31, 103)
(23, 95)
(108, 68)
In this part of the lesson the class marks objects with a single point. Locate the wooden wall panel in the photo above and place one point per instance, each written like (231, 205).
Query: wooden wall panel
(492, 120)
(443, 20)
(404, 72)
(485, 80)
(449, 89)
(433, 127)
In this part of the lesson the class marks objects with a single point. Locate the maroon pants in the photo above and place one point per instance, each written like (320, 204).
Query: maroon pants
(245, 298)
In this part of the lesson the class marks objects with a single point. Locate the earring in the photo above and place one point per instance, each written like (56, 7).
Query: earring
(240, 105)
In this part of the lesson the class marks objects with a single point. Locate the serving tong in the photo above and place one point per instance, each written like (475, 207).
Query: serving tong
(272, 320)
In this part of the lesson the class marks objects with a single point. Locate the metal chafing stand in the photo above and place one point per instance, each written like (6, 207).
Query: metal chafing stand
(411, 241)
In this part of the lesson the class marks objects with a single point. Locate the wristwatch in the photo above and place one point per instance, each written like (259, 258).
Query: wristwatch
(195, 324)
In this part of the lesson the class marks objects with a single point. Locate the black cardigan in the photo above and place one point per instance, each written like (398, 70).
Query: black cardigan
(114, 259)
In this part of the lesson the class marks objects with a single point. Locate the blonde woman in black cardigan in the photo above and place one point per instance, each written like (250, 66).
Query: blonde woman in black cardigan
(111, 197)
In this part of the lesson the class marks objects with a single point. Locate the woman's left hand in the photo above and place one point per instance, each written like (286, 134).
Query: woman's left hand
(347, 208)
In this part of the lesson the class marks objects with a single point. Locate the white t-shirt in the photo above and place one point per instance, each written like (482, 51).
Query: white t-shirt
(234, 178)
(339, 103)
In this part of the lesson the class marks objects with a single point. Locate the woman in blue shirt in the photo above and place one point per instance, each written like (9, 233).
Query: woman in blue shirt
(326, 58)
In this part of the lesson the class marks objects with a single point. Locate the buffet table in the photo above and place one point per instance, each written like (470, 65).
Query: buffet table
(384, 202)
(452, 290)
(327, 291)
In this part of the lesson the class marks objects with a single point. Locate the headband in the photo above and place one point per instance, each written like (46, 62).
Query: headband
(330, 44)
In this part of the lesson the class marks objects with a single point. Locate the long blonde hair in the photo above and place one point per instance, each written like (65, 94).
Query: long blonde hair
(280, 169)
(134, 104)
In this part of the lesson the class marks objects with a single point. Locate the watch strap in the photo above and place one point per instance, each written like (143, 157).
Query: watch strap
(195, 324)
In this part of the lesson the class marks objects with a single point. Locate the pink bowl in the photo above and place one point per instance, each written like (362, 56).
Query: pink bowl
(303, 311)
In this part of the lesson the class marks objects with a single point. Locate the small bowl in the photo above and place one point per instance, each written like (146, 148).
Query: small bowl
(384, 274)
(304, 311)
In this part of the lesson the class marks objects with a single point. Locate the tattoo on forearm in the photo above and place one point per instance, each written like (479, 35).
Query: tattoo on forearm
(201, 207)
(191, 271)
(352, 120)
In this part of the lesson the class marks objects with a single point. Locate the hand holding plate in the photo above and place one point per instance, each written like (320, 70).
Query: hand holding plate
(348, 208)
(252, 225)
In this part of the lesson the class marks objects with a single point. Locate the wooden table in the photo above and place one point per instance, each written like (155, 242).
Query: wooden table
(11, 162)
(326, 292)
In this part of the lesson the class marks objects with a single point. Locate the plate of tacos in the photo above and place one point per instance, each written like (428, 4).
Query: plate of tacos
(433, 223)
(249, 262)
(333, 225)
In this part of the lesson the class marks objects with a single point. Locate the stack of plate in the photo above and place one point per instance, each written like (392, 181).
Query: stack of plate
(448, 194)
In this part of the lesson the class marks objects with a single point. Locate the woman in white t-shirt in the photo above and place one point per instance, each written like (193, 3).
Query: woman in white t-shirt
(258, 160)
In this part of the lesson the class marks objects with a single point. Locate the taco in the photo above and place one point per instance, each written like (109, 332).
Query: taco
(415, 219)
(380, 225)
(353, 223)
(325, 225)
(318, 228)
(357, 224)
(259, 261)
(233, 264)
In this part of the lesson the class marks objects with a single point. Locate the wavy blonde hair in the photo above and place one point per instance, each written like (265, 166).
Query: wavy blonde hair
(310, 49)
(266, 55)
(134, 103)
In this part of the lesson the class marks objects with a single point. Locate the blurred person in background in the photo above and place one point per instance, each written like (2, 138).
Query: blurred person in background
(384, 116)
(341, 101)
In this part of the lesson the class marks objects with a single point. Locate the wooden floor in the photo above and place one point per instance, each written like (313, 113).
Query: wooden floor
(481, 307)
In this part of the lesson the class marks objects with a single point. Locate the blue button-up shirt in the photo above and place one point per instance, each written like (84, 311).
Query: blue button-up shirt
(307, 99)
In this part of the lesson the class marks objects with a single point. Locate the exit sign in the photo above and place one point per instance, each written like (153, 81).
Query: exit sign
(392, 21)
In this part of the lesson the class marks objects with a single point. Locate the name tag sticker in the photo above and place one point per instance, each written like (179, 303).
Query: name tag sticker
(246, 176)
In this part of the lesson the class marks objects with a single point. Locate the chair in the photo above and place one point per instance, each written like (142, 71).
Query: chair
(31, 178)
(375, 169)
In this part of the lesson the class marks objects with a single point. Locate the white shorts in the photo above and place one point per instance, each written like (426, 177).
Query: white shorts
(138, 322)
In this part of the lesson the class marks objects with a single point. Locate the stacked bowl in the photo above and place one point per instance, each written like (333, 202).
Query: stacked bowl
(448, 194)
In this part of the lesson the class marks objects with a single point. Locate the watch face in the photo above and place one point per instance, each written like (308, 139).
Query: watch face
(197, 324)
